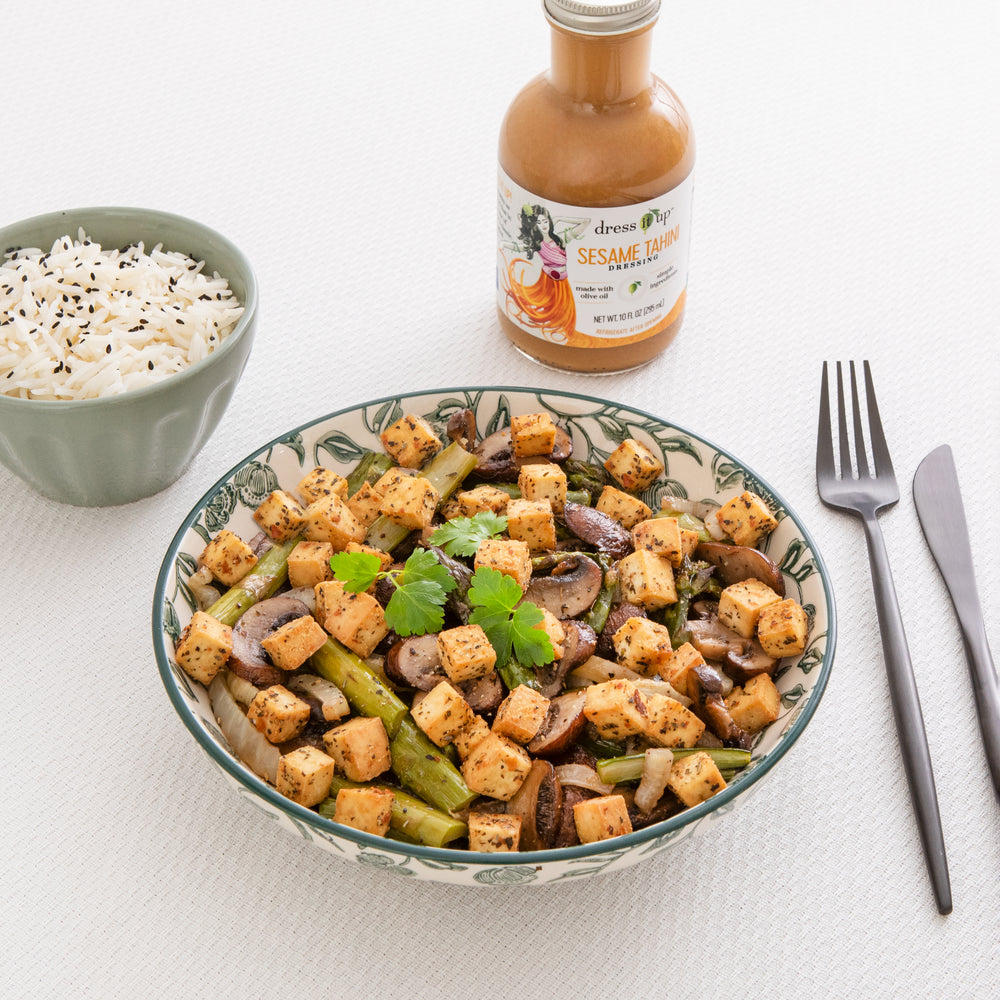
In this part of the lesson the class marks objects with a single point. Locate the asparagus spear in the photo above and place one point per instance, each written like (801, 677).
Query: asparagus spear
(597, 616)
(426, 771)
(514, 492)
(412, 819)
(372, 466)
(514, 673)
(615, 770)
(262, 582)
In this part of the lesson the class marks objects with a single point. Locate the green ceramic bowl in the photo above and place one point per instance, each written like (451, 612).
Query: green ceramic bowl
(114, 450)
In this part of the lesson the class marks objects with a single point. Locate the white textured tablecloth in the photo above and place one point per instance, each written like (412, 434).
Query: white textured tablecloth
(846, 207)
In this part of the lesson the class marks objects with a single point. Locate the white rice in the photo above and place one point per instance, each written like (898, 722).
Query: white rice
(79, 322)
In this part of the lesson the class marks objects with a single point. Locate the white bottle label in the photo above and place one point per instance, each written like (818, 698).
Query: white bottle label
(592, 277)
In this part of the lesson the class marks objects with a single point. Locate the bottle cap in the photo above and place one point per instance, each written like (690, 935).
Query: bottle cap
(602, 17)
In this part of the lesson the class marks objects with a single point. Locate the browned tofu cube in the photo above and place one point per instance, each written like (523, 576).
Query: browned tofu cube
(411, 441)
(521, 714)
(746, 519)
(304, 776)
(385, 558)
(616, 708)
(360, 748)
(329, 519)
(466, 653)
(661, 535)
(494, 832)
(676, 669)
(783, 628)
(356, 620)
(689, 542)
(280, 516)
(623, 507)
(290, 645)
(634, 465)
(365, 504)
(532, 434)
(228, 558)
(642, 645)
(695, 778)
(321, 483)
(554, 629)
(647, 579)
(532, 522)
(465, 740)
(480, 499)
(740, 605)
(496, 767)
(442, 714)
(543, 481)
(601, 818)
(509, 556)
(278, 713)
(309, 564)
(204, 647)
(365, 809)
(670, 724)
(755, 705)
(410, 501)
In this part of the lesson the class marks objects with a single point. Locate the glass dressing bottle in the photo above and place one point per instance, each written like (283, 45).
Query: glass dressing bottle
(594, 196)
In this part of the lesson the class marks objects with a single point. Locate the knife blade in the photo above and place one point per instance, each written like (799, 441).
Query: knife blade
(942, 517)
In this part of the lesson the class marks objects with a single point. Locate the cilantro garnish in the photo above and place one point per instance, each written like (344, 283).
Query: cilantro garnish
(461, 535)
(509, 622)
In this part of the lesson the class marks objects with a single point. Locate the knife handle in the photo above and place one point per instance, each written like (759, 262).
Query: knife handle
(987, 692)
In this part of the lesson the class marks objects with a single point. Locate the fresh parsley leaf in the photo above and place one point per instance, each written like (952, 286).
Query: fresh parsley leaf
(416, 608)
(356, 570)
(461, 535)
(424, 565)
(508, 621)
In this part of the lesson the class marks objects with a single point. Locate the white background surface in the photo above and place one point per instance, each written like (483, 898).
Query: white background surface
(846, 207)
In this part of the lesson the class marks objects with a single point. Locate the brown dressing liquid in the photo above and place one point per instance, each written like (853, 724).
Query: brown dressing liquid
(597, 130)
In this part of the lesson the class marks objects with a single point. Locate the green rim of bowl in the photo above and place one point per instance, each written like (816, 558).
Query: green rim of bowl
(249, 303)
(452, 856)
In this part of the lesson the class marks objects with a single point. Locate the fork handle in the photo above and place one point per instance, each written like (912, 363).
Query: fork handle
(908, 716)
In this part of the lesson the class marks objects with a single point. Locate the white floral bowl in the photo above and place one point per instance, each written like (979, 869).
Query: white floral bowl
(694, 468)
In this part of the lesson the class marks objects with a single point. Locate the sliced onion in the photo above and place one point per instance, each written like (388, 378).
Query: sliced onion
(201, 586)
(247, 742)
(583, 777)
(655, 773)
(650, 685)
(713, 527)
(241, 689)
(307, 595)
(701, 509)
(596, 670)
(335, 704)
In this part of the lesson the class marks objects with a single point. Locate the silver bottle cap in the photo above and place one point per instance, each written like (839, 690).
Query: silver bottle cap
(602, 17)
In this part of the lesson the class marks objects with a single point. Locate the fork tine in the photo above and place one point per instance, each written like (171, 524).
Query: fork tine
(880, 451)
(824, 441)
(846, 469)
(860, 456)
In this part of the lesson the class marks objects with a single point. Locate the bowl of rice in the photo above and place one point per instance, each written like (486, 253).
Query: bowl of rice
(123, 334)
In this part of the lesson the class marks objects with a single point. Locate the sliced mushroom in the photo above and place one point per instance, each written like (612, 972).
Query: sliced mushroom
(713, 639)
(497, 460)
(539, 804)
(579, 642)
(483, 694)
(563, 724)
(736, 563)
(457, 600)
(462, 428)
(570, 590)
(415, 662)
(617, 616)
(566, 835)
(750, 661)
(598, 529)
(712, 706)
(249, 659)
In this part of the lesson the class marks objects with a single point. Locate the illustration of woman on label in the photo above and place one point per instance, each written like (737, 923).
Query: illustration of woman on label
(545, 304)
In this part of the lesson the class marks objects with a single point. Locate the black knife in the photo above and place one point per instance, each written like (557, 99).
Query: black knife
(942, 517)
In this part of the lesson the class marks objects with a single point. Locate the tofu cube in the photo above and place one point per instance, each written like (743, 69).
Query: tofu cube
(410, 501)
(321, 483)
(616, 708)
(670, 724)
(755, 705)
(278, 713)
(442, 714)
(329, 519)
(365, 809)
(676, 669)
(533, 522)
(695, 778)
(746, 519)
(642, 645)
(626, 509)
(411, 441)
(634, 465)
(466, 653)
(482, 498)
(740, 605)
(385, 558)
(280, 516)
(601, 818)
(304, 776)
(309, 564)
(532, 434)
(466, 739)
(228, 558)
(543, 481)
(783, 628)
(647, 579)
(509, 556)
(521, 714)
(554, 629)
(356, 620)
(494, 832)
(294, 642)
(204, 647)
(496, 767)
(365, 504)
(661, 535)
(689, 542)
(360, 748)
